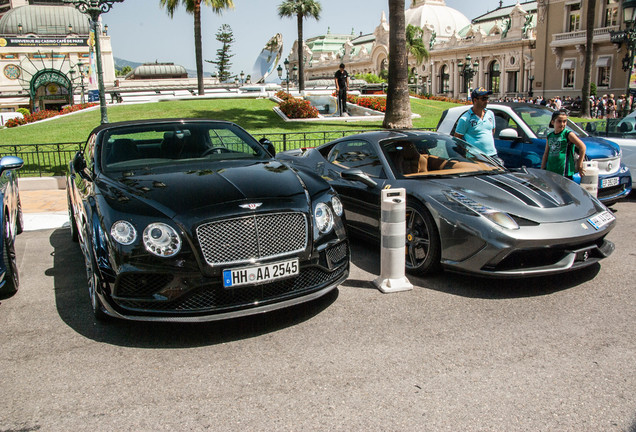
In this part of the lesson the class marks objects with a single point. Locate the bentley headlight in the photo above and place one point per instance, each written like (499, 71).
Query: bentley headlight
(161, 240)
(323, 217)
(337, 205)
(123, 232)
(500, 218)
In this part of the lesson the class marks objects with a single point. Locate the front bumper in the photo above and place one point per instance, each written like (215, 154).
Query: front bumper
(193, 297)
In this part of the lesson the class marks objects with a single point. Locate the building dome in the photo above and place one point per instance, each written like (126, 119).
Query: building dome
(434, 14)
(44, 21)
(158, 71)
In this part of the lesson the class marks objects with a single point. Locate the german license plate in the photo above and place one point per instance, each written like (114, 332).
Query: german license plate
(601, 219)
(609, 182)
(258, 274)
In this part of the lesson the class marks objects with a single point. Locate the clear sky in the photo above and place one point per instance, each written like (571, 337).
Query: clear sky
(143, 32)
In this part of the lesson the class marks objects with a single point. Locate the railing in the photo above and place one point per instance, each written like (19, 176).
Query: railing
(42, 159)
(52, 159)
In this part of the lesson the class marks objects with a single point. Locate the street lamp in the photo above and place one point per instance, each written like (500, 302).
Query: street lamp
(242, 75)
(82, 74)
(295, 72)
(468, 71)
(629, 37)
(94, 8)
(531, 79)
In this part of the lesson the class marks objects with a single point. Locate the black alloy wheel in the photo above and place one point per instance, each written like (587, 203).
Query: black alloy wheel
(423, 249)
(19, 218)
(94, 282)
(72, 222)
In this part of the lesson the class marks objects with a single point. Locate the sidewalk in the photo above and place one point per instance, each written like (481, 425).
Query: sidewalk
(43, 208)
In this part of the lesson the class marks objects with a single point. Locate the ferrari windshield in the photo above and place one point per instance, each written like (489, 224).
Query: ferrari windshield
(176, 143)
(435, 154)
(538, 118)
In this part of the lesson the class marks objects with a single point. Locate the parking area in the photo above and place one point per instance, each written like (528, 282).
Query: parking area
(455, 353)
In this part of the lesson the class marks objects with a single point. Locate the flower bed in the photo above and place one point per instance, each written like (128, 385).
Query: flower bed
(41, 115)
(296, 108)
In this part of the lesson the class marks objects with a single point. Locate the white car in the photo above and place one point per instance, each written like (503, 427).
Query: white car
(625, 136)
(520, 136)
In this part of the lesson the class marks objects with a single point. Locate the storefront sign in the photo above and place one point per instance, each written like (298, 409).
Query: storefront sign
(42, 42)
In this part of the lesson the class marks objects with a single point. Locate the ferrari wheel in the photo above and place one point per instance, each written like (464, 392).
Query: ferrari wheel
(19, 219)
(11, 277)
(422, 249)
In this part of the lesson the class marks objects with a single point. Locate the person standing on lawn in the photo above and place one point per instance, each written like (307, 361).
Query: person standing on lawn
(342, 85)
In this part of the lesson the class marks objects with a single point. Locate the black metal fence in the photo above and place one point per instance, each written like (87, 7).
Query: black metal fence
(52, 159)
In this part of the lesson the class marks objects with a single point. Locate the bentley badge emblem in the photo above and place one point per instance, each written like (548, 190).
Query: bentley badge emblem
(251, 206)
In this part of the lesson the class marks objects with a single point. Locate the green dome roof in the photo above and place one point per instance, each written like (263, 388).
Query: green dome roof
(44, 21)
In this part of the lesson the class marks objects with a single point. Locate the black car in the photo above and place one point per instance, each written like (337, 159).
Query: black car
(194, 220)
(12, 223)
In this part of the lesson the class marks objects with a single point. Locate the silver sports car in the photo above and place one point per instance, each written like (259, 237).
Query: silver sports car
(464, 212)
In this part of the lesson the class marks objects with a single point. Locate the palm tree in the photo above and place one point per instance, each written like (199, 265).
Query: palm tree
(194, 7)
(587, 70)
(415, 44)
(398, 104)
(300, 9)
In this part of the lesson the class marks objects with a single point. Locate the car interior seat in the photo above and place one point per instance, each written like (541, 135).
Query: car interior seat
(171, 146)
(122, 149)
(409, 160)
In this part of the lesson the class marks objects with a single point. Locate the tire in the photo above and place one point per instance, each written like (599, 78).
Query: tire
(71, 221)
(94, 281)
(423, 248)
(19, 218)
(11, 276)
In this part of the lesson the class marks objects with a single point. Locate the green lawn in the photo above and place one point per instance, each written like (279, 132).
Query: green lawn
(255, 115)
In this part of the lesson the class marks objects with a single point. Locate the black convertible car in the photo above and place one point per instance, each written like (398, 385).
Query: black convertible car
(464, 212)
(193, 220)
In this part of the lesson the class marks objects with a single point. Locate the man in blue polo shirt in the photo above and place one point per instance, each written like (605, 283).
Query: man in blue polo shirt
(477, 125)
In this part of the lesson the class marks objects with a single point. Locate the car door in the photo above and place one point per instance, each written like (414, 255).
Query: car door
(510, 150)
(361, 202)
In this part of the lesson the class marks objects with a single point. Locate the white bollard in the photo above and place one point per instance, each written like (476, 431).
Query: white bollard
(589, 181)
(393, 230)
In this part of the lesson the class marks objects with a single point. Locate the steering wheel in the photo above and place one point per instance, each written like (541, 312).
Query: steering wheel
(543, 131)
(215, 150)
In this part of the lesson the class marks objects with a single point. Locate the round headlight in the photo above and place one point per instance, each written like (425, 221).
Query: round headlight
(161, 240)
(123, 232)
(337, 205)
(324, 218)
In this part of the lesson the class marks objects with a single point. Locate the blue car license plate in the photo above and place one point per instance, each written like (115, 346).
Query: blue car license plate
(258, 274)
(609, 182)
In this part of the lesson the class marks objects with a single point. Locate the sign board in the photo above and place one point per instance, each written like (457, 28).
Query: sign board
(42, 42)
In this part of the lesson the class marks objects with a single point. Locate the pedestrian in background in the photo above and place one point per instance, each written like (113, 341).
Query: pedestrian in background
(477, 125)
(558, 156)
(342, 85)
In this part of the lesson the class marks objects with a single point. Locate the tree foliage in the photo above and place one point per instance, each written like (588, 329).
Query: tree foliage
(415, 44)
(301, 9)
(194, 7)
(223, 55)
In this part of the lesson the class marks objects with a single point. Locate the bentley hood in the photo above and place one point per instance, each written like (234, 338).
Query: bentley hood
(200, 191)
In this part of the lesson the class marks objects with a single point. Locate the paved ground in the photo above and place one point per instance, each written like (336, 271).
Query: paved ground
(454, 354)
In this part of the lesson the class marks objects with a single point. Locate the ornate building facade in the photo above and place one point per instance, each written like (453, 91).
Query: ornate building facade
(532, 48)
(47, 58)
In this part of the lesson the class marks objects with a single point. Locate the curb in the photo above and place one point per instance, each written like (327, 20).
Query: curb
(41, 183)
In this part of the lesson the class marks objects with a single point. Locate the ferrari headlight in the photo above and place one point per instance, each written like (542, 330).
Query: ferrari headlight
(123, 232)
(337, 205)
(500, 218)
(161, 239)
(323, 217)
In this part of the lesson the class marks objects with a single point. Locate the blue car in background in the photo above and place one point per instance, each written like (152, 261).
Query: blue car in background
(520, 136)
(12, 224)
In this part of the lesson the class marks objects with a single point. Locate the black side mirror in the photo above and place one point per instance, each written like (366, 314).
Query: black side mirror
(79, 165)
(268, 146)
(356, 174)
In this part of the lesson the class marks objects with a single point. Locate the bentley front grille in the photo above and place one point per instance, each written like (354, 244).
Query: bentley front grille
(240, 240)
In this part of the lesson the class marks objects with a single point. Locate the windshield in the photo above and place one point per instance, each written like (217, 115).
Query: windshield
(538, 118)
(436, 154)
(178, 144)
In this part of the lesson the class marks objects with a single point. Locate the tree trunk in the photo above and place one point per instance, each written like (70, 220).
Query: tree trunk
(398, 104)
(301, 54)
(198, 51)
(587, 71)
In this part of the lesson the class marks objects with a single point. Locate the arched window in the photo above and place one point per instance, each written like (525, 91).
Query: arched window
(494, 76)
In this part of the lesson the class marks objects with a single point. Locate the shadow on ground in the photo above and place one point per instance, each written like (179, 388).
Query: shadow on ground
(71, 297)
(366, 256)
